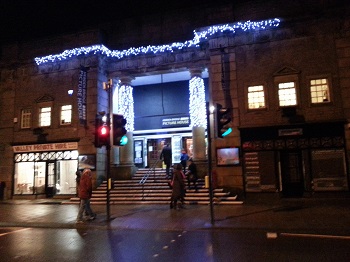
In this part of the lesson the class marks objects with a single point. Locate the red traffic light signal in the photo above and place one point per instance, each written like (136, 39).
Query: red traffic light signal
(102, 131)
(119, 131)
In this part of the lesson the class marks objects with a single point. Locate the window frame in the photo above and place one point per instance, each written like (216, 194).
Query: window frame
(330, 93)
(61, 114)
(286, 79)
(40, 115)
(264, 89)
(28, 117)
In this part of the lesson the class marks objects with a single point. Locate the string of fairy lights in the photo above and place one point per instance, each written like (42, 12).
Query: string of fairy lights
(197, 102)
(199, 37)
(196, 85)
(126, 105)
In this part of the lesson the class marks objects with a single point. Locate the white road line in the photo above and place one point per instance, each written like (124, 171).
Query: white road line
(15, 231)
(314, 236)
(272, 235)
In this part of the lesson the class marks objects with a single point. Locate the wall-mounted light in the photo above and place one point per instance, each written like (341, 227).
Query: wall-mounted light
(211, 109)
(70, 92)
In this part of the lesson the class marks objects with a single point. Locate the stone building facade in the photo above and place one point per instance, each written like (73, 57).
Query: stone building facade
(282, 70)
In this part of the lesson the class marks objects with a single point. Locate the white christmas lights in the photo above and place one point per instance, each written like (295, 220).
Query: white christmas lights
(197, 102)
(126, 106)
(199, 37)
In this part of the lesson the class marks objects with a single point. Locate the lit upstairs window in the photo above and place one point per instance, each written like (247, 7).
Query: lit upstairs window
(66, 114)
(45, 116)
(287, 94)
(319, 91)
(26, 118)
(256, 97)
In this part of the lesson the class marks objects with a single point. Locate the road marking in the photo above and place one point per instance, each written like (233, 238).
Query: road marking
(315, 236)
(271, 235)
(15, 231)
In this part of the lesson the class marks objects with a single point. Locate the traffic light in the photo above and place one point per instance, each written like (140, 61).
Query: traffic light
(222, 119)
(119, 131)
(102, 130)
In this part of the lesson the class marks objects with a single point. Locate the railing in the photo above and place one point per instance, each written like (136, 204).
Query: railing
(145, 177)
(152, 168)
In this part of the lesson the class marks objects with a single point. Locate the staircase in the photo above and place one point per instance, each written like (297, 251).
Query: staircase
(154, 190)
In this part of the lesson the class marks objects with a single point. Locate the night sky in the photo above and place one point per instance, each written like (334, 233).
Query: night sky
(22, 20)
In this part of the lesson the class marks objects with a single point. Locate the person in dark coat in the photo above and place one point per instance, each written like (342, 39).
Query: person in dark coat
(166, 156)
(85, 192)
(178, 192)
(77, 179)
(192, 174)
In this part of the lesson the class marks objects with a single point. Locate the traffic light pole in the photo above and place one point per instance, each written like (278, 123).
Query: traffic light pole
(108, 181)
(210, 167)
(108, 148)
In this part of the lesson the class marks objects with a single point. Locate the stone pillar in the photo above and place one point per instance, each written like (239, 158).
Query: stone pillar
(197, 114)
(199, 146)
(126, 168)
(198, 120)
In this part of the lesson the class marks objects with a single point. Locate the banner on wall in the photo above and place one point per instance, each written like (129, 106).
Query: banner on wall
(45, 147)
(82, 96)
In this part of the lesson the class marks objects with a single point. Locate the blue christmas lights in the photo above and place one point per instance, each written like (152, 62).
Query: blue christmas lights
(199, 37)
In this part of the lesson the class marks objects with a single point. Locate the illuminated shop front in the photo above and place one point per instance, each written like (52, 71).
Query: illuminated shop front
(45, 169)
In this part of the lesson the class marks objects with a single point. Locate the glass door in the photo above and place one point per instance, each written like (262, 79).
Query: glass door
(50, 178)
(292, 174)
(39, 178)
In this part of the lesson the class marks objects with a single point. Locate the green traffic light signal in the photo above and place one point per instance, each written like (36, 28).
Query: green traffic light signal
(222, 119)
(119, 131)
(123, 140)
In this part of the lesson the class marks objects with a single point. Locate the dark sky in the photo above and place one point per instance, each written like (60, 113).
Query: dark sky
(29, 19)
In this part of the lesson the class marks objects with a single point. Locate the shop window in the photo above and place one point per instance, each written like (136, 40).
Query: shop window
(26, 118)
(256, 97)
(66, 114)
(287, 94)
(34, 171)
(319, 90)
(45, 116)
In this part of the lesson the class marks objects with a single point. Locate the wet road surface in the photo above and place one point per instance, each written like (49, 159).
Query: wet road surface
(86, 244)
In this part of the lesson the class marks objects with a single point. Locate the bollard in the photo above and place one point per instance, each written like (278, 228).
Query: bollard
(206, 179)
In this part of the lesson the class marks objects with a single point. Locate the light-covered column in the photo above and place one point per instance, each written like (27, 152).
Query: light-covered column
(198, 114)
(126, 108)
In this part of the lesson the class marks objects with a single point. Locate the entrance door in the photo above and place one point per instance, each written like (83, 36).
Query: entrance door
(292, 174)
(51, 178)
(154, 149)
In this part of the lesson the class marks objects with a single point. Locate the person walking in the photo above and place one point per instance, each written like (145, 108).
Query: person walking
(192, 175)
(77, 179)
(183, 159)
(178, 192)
(166, 156)
(85, 192)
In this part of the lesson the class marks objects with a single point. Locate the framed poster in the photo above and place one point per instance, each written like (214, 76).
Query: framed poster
(87, 161)
(228, 156)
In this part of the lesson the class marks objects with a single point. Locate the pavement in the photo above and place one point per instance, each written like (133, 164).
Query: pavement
(322, 214)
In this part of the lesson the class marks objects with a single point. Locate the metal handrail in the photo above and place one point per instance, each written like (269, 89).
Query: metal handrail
(153, 168)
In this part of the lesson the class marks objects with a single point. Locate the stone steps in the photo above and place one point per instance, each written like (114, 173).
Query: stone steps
(154, 190)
